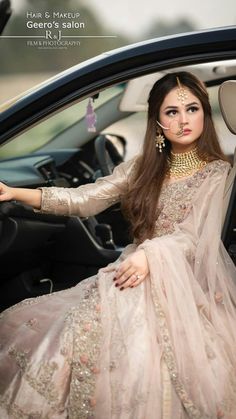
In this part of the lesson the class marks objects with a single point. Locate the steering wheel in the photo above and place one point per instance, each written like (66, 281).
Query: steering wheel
(107, 154)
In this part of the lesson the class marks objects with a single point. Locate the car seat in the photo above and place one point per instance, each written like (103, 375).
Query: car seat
(227, 101)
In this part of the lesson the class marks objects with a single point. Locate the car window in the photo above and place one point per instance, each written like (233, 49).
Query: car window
(41, 134)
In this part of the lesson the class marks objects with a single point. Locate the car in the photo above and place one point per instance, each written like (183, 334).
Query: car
(78, 126)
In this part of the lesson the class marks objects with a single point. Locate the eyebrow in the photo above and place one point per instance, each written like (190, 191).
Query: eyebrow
(187, 106)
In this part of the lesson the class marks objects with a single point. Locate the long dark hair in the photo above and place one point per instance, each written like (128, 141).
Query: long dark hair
(140, 203)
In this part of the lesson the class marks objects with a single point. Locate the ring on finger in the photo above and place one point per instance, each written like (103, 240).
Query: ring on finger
(137, 276)
(133, 278)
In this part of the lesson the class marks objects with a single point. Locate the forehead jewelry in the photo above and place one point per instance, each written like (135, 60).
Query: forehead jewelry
(181, 92)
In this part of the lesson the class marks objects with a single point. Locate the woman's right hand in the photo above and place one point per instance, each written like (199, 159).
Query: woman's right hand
(6, 192)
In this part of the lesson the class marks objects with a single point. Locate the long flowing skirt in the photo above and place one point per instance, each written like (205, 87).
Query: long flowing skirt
(93, 351)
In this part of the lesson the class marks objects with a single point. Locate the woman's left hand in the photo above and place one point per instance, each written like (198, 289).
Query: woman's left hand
(132, 271)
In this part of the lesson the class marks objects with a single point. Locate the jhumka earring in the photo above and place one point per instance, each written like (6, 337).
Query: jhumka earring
(181, 92)
(160, 141)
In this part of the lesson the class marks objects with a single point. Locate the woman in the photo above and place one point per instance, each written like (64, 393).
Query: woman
(153, 335)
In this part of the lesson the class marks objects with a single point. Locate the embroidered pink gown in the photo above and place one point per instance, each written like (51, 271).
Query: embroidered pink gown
(163, 350)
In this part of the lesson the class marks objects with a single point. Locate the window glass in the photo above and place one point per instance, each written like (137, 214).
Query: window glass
(41, 134)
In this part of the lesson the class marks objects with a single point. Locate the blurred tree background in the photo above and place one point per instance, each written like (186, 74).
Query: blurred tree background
(23, 66)
(17, 57)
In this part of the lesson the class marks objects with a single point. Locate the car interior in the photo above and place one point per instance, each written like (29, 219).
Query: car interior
(41, 253)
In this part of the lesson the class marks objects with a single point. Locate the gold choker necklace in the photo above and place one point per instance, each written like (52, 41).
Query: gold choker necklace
(184, 164)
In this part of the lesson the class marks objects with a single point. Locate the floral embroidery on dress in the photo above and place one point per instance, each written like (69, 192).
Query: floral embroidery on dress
(176, 198)
(20, 357)
(43, 381)
(16, 412)
(80, 347)
(169, 358)
(32, 323)
(174, 205)
(77, 344)
(31, 302)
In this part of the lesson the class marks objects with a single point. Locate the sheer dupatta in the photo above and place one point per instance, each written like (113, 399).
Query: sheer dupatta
(182, 319)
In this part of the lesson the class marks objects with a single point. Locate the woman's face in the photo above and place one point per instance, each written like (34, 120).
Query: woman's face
(183, 119)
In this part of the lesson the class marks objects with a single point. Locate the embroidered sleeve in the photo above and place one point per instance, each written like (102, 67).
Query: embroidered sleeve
(90, 199)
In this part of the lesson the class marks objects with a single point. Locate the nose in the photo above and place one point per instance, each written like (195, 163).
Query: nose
(183, 118)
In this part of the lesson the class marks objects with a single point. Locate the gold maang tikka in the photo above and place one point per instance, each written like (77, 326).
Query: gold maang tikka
(181, 92)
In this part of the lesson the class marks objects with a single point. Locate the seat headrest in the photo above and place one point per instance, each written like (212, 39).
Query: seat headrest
(227, 100)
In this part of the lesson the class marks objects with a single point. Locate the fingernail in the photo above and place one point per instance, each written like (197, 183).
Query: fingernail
(114, 279)
(116, 285)
(121, 288)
